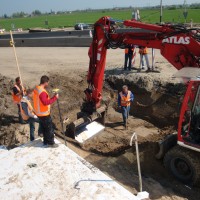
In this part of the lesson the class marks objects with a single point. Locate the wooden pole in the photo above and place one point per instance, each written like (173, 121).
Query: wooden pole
(17, 63)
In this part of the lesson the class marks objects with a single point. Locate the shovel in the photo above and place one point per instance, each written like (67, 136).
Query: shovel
(56, 91)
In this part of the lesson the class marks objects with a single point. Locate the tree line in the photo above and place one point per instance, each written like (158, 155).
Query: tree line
(38, 12)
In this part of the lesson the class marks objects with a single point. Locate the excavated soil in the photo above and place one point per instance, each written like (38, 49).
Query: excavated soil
(154, 114)
(110, 151)
(11, 133)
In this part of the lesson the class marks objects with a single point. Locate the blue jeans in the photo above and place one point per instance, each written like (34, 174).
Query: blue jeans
(128, 60)
(142, 57)
(125, 113)
(48, 130)
(31, 122)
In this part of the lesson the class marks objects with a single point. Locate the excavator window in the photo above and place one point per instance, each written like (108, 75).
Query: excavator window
(191, 123)
(195, 123)
(196, 107)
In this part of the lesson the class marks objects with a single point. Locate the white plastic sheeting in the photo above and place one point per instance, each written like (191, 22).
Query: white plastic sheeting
(34, 172)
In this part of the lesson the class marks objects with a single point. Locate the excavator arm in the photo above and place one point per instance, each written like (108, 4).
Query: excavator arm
(180, 46)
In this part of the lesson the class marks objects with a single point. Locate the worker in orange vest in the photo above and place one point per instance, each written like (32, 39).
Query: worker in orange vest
(28, 114)
(128, 57)
(143, 51)
(125, 98)
(42, 102)
(17, 93)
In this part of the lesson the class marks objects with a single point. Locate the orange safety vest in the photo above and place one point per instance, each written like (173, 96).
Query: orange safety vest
(125, 100)
(143, 50)
(30, 109)
(126, 50)
(17, 98)
(40, 109)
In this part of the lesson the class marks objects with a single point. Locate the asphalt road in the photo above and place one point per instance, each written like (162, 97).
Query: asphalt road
(70, 38)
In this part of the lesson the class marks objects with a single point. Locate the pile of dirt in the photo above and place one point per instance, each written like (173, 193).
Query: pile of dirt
(71, 95)
(11, 132)
(115, 139)
(157, 97)
(115, 156)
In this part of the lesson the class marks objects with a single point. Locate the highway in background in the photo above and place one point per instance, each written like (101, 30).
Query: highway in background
(69, 38)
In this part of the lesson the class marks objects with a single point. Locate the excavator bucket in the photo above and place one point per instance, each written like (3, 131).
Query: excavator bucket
(87, 126)
(167, 143)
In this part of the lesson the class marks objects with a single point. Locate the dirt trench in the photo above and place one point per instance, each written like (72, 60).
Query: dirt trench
(110, 151)
(155, 117)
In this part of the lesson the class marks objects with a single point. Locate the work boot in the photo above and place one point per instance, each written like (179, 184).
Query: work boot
(148, 70)
(52, 145)
(40, 134)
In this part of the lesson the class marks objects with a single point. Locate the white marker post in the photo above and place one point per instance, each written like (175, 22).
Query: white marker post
(153, 58)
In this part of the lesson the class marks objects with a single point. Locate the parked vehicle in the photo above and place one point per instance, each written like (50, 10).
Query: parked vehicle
(81, 26)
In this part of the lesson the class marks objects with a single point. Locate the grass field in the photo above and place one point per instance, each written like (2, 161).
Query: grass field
(68, 20)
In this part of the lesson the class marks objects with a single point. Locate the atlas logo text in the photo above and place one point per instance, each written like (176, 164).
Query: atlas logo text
(177, 40)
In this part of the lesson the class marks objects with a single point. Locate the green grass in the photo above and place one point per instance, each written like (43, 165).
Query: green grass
(67, 20)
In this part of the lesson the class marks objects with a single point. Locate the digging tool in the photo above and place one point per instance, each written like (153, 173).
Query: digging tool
(56, 91)
(87, 126)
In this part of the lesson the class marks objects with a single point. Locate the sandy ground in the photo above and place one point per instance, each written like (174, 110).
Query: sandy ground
(67, 68)
(37, 61)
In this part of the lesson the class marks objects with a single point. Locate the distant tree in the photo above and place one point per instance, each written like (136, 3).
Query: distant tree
(18, 14)
(172, 8)
(36, 12)
(5, 16)
(195, 6)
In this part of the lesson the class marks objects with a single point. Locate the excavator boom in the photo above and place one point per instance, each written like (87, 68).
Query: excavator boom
(180, 46)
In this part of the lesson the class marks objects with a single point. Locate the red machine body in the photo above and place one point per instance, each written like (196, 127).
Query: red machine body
(181, 47)
(178, 45)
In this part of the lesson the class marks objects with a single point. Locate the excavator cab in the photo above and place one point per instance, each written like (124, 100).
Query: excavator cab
(189, 121)
(180, 151)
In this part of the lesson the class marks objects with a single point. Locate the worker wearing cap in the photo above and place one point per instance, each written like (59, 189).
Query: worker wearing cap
(42, 102)
(17, 94)
(143, 51)
(125, 98)
(28, 115)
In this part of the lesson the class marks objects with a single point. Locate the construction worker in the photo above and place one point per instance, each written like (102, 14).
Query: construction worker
(28, 114)
(17, 94)
(128, 57)
(143, 51)
(125, 98)
(42, 103)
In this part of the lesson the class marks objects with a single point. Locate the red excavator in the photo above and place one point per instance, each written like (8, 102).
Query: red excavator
(181, 47)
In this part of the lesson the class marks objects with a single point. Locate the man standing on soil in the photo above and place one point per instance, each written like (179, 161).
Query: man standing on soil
(28, 114)
(128, 57)
(42, 103)
(125, 98)
(143, 51)
(17, 94)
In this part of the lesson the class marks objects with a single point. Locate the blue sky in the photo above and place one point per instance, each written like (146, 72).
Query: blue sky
(11, 6)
